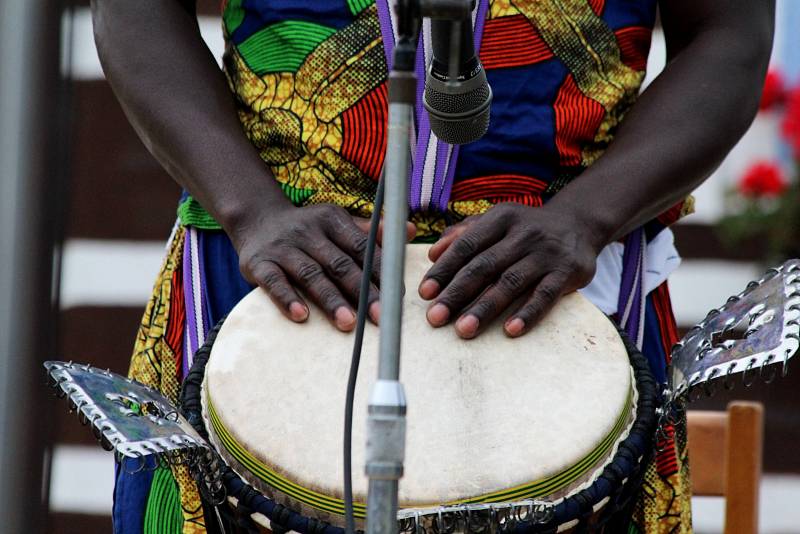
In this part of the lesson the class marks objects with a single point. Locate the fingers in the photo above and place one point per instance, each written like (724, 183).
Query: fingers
(311, 277)
(346, 232)
(344, 272)
(411, 231)
(479, 273)
(450, 234)
(463, 248)
(272, 278)
(363, 225)
(514, 282)
(543, 298)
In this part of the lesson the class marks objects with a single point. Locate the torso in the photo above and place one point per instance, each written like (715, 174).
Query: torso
(310, 80)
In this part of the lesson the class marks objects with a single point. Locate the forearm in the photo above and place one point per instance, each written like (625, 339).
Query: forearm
(179, 103)
(676, 134)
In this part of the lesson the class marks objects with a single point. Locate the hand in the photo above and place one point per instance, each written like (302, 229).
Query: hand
(318, 249)
(487, 262)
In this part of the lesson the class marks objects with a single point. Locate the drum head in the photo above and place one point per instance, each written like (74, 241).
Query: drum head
(491, 419)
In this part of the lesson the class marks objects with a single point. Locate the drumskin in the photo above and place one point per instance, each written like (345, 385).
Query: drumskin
(466, 399)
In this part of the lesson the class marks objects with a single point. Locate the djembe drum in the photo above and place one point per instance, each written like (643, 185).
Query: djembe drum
(549, 432)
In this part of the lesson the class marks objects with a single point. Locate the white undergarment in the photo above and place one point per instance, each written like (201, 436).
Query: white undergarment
(661, 259)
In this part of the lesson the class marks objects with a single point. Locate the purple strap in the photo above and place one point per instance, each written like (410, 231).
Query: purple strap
(446, 185)
(442, 166)
(194, 282)
(631, 303)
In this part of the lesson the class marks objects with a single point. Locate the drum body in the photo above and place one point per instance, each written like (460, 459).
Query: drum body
(490, 420)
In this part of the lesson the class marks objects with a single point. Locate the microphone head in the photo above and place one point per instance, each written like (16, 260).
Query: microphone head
(459, 110)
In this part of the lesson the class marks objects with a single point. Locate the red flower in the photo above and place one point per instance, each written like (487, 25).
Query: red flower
(774, 90)
(763, 179)
(791, 121)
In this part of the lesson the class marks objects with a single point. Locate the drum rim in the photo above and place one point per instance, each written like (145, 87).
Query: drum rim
(633, 450)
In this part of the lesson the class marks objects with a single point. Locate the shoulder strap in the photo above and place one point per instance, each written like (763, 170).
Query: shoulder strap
(631, 304)
(433, 161)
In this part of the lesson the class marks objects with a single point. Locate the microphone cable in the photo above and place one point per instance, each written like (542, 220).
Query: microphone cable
(361, 320)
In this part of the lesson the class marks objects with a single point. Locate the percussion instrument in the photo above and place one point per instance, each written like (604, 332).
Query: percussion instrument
(546, 433)
(560, 417)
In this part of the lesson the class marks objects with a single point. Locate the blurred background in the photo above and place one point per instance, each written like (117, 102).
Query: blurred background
(109, 207)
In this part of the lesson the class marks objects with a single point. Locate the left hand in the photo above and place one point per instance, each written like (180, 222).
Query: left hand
(485, 263)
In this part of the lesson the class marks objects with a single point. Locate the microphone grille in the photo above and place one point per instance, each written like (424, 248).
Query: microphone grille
(458, 102)
(459, 118)
(461, 131)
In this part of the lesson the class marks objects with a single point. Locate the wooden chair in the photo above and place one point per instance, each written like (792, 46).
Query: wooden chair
(725, 460)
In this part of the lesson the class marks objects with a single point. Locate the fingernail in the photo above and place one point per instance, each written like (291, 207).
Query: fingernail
(298, 312)
(438, 314)
(428, 289)
(375, 312)
(344, 319)
(515, 327)
(467, 326)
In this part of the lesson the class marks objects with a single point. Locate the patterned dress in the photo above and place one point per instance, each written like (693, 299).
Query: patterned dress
(309, 78)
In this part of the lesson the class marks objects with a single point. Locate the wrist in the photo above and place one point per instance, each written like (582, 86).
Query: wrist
(595, 224)
(239, 214)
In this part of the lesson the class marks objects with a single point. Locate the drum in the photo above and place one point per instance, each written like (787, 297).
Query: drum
(542, 433)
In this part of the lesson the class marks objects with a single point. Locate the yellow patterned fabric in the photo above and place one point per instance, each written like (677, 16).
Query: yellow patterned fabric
(664, 505)
(155, 360)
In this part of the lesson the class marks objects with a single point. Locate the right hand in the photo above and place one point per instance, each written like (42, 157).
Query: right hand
(317, 249)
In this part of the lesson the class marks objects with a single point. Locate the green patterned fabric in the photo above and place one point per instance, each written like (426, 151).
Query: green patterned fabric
(357, 6)
(163, 513)
(232, 18)
(296, 195)
(191, 213)
(282, 47)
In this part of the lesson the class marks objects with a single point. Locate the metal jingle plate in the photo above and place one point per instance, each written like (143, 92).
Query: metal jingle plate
(133, 419)
(484, 518)
(758, 327)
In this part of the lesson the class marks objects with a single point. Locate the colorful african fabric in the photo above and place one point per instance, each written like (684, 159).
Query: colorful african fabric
(310, 84)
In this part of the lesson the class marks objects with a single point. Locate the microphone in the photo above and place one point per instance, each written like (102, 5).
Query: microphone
(457, 94)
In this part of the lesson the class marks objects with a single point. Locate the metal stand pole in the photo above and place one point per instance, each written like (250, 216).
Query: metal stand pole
(386, 424)
(29, 87)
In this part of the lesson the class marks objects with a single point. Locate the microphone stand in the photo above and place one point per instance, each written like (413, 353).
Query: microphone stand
(386, 423)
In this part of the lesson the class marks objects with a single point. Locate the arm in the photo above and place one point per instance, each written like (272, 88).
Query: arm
(179, 103)
(672, 139)
(684, 124)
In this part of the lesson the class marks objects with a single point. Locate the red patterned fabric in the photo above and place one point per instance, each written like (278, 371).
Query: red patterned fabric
(672, 214)
(634, 46)
(666, 318)
(176, 321)
(597, 6)
(512, 42)
(577, 120)
(501, 188)
(364, 127)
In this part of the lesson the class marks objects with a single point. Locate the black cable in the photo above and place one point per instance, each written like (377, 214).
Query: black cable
(361, 319)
